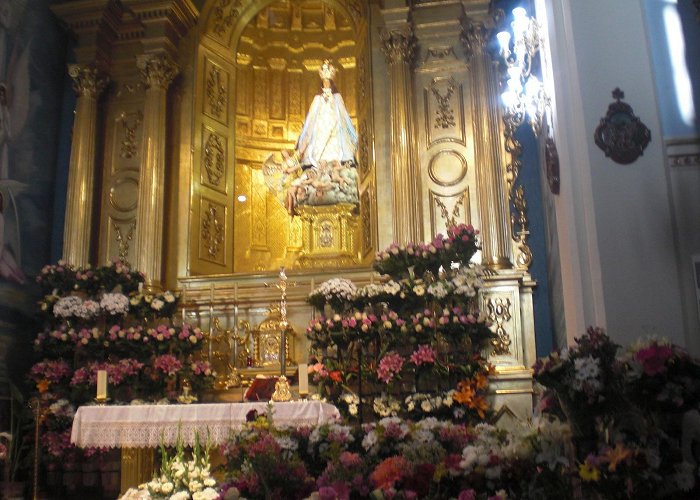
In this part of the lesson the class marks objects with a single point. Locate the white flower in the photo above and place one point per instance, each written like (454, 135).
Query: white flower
(369, 442)
(207, 494)
(167, 487)
(336, 289)
(115, 303)
(181, 495)
(437, 289)
(195, 486)
(169, 297)
(157, 304)
(88, 309)
(66, 307)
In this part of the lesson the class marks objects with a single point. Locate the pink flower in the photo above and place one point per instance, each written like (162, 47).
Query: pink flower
(467, 495)
(168, 364)
(389, 366)
(653, 358)
(424, 354)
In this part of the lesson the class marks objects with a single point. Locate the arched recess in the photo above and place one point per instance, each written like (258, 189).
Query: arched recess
(228, 236)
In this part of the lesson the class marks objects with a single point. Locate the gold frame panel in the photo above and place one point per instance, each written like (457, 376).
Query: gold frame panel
(221, 26)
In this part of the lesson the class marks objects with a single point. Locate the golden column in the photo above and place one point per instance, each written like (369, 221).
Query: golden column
(157, 70)
(490, 168)
(88, 82)
(399, 48)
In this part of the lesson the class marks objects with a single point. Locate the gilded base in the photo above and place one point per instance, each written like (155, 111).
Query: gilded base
(329, 236)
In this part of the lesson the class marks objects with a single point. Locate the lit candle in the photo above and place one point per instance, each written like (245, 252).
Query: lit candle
(101, 384)
(303, 379)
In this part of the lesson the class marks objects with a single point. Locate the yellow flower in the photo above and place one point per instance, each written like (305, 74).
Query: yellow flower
(588, 472)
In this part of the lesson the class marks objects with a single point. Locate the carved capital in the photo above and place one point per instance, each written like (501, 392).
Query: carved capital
(157, 70)
(88, 81)
(475, 37)
(399, 46)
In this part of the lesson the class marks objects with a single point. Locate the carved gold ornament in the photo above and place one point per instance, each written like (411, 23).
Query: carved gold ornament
(129, 146)
(225, 12)
(124, 241)
(212, 231)
(214, 159)
(216, 92)
(499, 314)
(88, 81)
(444, 114)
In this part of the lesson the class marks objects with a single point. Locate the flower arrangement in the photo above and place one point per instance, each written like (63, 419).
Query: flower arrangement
(181, 477)
(102, 319)
(336, 292)
(459, 246)
(418, 329)
(631, 414)
(394, 458)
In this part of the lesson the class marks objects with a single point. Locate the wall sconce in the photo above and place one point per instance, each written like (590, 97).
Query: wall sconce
(524, 95)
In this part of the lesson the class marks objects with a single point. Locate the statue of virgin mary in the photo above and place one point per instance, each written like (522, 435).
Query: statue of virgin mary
(328, 134)
(321, 169)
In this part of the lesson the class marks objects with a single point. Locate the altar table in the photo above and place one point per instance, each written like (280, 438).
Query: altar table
(138, 429)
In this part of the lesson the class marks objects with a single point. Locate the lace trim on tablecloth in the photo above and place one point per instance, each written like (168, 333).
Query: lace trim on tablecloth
(152, 435)
(140, 434)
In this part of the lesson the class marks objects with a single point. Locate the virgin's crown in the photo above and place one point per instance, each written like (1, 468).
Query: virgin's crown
(327, 71)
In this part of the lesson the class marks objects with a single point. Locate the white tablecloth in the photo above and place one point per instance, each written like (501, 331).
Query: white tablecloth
(147, 426)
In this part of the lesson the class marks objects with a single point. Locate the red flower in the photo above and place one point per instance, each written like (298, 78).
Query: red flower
(336, 376)
(389, 471)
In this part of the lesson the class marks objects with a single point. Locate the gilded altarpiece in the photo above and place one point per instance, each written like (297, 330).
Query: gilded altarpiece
(257, 75)
(248, 74)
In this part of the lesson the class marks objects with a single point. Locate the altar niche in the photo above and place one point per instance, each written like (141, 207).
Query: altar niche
(257, 75)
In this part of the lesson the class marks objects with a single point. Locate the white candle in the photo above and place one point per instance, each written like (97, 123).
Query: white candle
(303, 378)
(101, 384)
(182, 301)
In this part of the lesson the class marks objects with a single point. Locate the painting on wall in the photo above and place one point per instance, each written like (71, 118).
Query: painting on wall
(32, 69)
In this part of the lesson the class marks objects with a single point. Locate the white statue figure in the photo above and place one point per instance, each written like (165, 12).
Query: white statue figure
(328, 135)
(321, 169)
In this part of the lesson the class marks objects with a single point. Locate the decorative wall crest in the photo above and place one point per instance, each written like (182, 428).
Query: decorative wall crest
(214, 159)
(621, 135)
